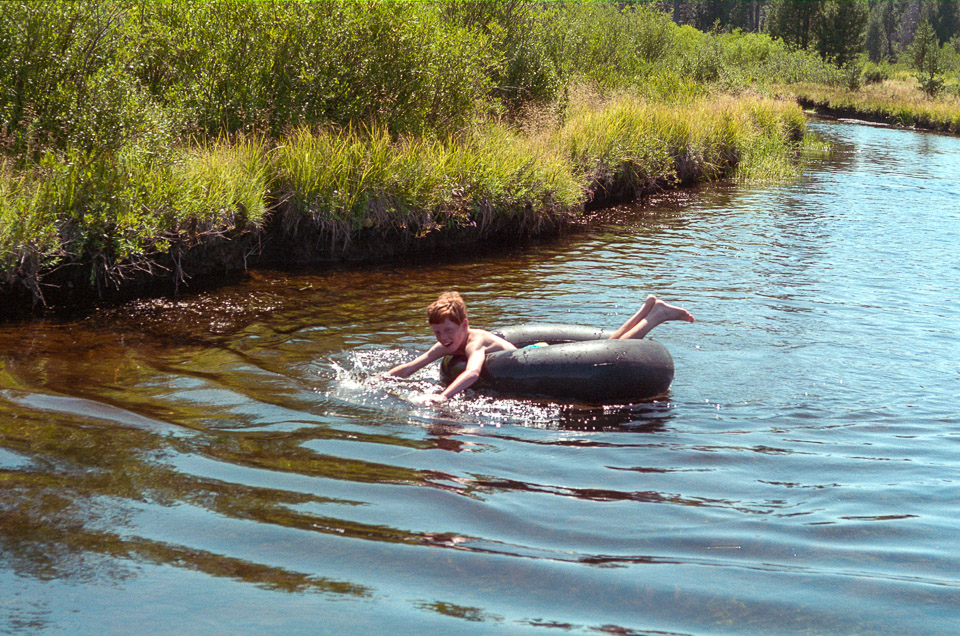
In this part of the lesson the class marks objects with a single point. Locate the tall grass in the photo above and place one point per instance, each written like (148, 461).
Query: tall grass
(114, 213)
(345, 181)
(630, 145)
(29, 244)
(897, 101)
(226, 184)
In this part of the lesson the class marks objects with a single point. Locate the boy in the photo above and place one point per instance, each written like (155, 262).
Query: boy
(448, 319)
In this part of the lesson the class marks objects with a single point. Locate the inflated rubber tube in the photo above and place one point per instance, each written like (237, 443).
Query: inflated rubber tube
(581, 365)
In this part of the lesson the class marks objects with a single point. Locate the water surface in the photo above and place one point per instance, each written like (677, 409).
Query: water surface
(228, 463)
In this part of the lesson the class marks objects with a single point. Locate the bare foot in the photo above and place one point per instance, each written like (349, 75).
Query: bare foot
(624, 329)
(653, 312)
(647, 305)
(662, 312)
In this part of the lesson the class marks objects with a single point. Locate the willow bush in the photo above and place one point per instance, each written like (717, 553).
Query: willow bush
(99, 74)
(103, 73)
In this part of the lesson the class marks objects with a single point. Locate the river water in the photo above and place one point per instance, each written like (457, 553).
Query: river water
(229, 463)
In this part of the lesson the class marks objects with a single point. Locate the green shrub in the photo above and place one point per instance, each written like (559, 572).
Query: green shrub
(64, 79)
(610, 47)
(875, 73)
(524, 71)
(852, 75)
(105, 73)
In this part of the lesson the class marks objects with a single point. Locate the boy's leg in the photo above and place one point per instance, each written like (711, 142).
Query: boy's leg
(653, 312)
(637, 317)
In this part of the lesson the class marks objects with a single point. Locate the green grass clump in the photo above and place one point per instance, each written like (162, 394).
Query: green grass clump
(113, 213)
(504, 172)
(29, 243)
(345, 181)
(222, 186)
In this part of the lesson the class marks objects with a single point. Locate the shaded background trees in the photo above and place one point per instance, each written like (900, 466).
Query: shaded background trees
(839, 30)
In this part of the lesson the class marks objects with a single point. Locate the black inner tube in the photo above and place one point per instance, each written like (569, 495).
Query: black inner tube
(581, 365)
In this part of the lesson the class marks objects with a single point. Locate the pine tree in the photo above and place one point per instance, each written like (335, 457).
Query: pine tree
(883, 28)
(840, 30)
(945, 19)
(793, 21)
(927, 60)
(745, 15)
(711, 13)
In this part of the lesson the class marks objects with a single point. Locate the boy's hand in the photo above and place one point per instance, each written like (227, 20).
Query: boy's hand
(430, 399)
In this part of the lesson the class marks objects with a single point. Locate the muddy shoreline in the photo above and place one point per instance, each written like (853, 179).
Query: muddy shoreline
(212, 262)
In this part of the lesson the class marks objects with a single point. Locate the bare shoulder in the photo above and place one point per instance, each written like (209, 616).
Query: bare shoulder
(488, 342)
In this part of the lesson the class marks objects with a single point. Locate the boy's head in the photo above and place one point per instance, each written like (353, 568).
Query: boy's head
(448, 306)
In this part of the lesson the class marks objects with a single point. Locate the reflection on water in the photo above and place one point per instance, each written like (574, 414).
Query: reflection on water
(231, 462)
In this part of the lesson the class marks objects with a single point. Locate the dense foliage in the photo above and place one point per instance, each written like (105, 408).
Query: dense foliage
(885, 27)
(104, 73)
(132, 131)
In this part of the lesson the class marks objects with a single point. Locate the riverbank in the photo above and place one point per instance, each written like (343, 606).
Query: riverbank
(79, 228)
(897, 102)
(148, 147)
(145, 147)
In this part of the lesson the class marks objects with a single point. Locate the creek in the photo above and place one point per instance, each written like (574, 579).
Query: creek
(229, 462)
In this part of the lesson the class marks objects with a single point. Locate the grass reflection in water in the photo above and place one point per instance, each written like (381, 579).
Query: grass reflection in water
(65, 510)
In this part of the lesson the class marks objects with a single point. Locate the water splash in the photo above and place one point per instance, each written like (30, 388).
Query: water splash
(358, 380)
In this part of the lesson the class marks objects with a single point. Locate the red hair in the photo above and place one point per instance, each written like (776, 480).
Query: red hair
(448, 305)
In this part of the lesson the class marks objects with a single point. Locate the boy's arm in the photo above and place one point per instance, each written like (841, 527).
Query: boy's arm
(407, 369)
(466, 379)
